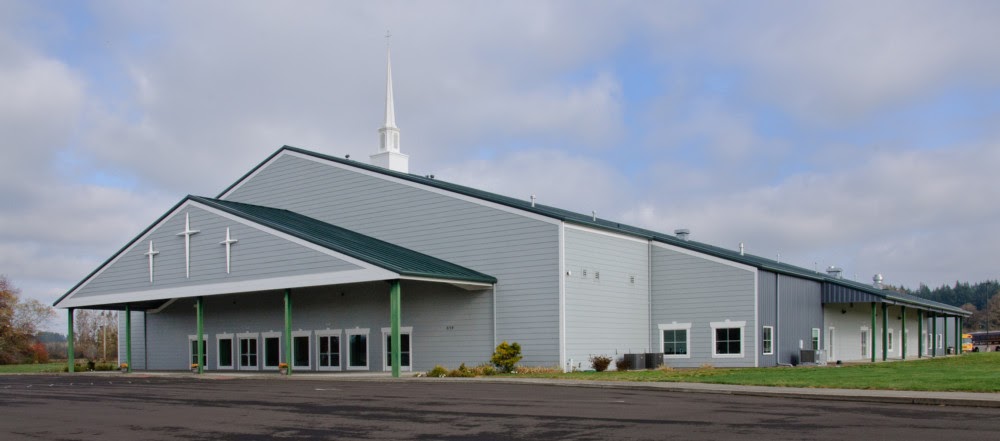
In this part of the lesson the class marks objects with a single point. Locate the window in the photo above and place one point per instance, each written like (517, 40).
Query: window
(727, 339)
(300, 349)
(675, 339)
(940, 341)
(357, 349)
(272, 349)
(864, 342)
(815, 338)
(889, 345)
(248, 351)
(767, 340)
(927, 343)
(224, 347)
(328, 349)
(405, 336)
(193, 345)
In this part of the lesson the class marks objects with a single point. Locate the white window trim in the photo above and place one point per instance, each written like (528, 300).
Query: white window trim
(263, 347)
(218, 351)
(940, 341)
(385, 361)
(340, 349)
(818, 333)
(890, 340)
(673, 327)
(771, 352)
(830, 348)
(865, 342)
(927, 342)
(368, 346)
(204, 338)
(239, 351)
(291, 360)
(725, 325)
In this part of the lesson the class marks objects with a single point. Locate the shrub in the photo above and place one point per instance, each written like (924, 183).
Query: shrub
(462, 371)
(438, 371)
(506, 356)
(622, 364)
(600, 362)
(484, 370)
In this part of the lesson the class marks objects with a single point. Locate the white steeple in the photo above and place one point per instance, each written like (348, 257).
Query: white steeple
(388, 155)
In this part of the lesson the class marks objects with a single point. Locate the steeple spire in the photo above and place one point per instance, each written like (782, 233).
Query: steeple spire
(388, 155)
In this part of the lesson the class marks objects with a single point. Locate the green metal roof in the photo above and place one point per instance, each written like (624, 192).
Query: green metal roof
(604, 224)
(395, 258)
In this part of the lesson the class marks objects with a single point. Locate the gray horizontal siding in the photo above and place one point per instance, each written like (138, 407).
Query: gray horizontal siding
(257, 255)
(767, 302)
(523, 253)
(450, 325)
(692, 289)
(609, 315)
(138, 339)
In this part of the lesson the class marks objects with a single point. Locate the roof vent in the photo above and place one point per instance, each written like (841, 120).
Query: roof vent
(741, 248)
(835, 271)
(878, 281)
(532, 200)
(682, 233)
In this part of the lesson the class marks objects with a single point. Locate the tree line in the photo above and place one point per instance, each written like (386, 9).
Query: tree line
(982, 299)
(22, 339)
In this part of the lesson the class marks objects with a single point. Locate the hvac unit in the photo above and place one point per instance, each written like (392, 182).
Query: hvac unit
(635, 361)
(654, 360)
(807, 356)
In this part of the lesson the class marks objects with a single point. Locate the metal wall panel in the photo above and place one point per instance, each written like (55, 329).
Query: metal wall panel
(800, 309)
(692, 289)
(767, 303)
(607, 296)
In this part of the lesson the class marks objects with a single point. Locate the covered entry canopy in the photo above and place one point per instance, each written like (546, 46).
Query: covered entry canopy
(204, 246)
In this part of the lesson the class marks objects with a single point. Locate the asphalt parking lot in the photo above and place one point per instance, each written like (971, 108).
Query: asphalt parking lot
(109, 407)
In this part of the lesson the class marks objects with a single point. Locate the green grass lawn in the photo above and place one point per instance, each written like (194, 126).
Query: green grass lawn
(31, 368)
(975, 372)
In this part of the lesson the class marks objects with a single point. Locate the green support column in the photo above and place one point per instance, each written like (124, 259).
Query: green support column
(873, 332)
(197, 337)
(288, 329)
(128, 337)
(933, 334)
(920, 333)
(885, 331)
(944, 338)
(396, 347)
(70, 362)
(903, 340)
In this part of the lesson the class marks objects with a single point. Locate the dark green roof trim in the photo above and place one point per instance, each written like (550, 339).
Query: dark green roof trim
(395, 258)
(603, 224)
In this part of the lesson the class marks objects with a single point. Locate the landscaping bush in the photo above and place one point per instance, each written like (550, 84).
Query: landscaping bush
(484, 370)
(622, 364)
(506, 356)
(538, 370)
(438, 371)
(600, 362)
(462, 371)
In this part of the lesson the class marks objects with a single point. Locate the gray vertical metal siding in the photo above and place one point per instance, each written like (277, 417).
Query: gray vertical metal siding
(800, 310)
(450, 325)
(691, 289)
(523, 253)
(767, 304)
(607, 315)
(256, 255)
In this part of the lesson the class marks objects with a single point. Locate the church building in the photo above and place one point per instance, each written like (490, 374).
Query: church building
(315, 263)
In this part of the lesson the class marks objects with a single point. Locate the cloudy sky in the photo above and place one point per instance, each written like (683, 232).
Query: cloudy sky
(860, 134)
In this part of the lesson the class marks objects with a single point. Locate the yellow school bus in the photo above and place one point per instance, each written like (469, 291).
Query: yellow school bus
(966, 342)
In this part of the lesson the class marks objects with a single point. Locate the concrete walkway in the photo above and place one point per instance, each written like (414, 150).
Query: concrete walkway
(968, 399)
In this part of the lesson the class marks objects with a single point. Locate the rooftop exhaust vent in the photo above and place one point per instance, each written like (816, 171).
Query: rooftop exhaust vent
(835, 272)
(878, 281)
(682, 233)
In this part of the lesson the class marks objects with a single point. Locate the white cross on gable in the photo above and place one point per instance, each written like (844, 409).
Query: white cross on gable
(228, 243)
(150, 254)
(187, 233)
